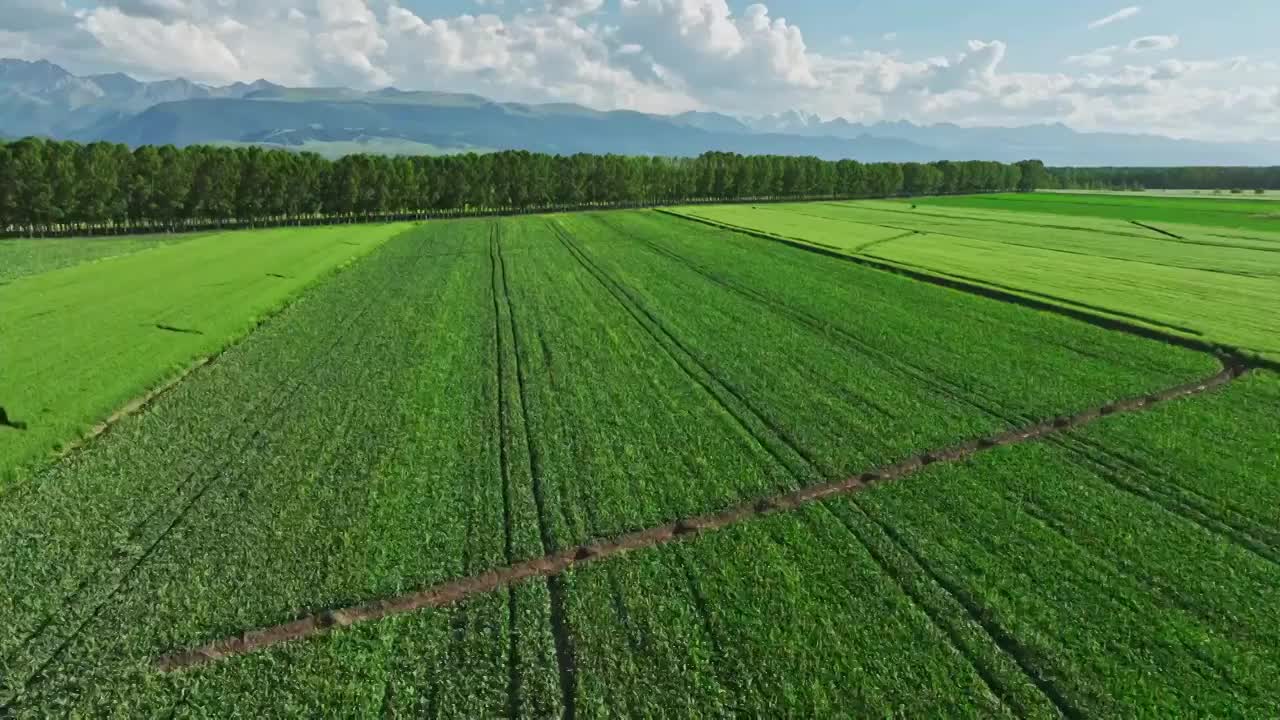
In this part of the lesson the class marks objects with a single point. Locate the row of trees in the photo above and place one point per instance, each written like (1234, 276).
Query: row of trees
(1171, 178)
(50, 187)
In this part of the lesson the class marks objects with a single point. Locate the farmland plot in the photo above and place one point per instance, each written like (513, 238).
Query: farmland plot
(1045, 579)
(477, 394)
(82, 341)
(1206, 285)
(348, 449)
(31, 256)
(1240, 215)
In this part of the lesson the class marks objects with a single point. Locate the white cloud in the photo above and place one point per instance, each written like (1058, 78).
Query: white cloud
(182, 46)
(710, 49)
(532, 56)
(1122, 14)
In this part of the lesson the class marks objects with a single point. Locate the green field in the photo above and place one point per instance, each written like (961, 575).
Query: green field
(470, 395)
(31, 256)
(83, 340)
(1218, 285)
(1213, 212)
(1216, 194)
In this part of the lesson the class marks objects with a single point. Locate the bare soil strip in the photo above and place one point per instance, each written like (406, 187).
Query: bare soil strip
(558, 562)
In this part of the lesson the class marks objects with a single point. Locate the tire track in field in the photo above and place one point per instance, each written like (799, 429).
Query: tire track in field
(1234, 514)
(566, 655)
(1170, 596)
(999, 636)
(922, 376)
(448, 593)
(582, 497)
(179, 507)
(728, 399)
(766, 432)
(702, 377)
(1165, 233)
(881, 241)
(1204, 514)
(504, 433)
(1000, 682)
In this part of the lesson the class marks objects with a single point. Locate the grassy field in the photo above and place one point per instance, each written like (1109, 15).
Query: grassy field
(472, 394)
(1241, 215)
(1157, 193)
(31, 256)
(82, 341)
(1197, 281)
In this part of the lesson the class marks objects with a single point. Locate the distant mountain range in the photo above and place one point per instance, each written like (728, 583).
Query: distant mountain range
(41, 98)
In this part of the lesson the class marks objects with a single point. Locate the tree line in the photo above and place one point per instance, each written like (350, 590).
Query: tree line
(1241, 179)
(53, 187)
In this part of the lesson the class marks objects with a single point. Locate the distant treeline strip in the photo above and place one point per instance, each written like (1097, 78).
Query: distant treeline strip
(1242, 179)
(66, 188)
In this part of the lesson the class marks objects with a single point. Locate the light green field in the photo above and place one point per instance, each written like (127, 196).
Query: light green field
(1213, 212)
(1272, 195)
(1216, 284)
(31, 256)
(82, 341)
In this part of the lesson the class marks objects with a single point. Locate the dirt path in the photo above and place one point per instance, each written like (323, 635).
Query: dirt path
(555, 563)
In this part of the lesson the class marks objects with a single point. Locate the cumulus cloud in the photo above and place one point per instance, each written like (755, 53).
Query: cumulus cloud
(707, 48)
(1115, 17)
(146, 42)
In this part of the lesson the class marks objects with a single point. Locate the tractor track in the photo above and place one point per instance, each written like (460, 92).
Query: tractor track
(561, 631)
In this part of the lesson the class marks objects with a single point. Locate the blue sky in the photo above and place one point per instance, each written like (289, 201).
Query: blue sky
(1177, 67)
